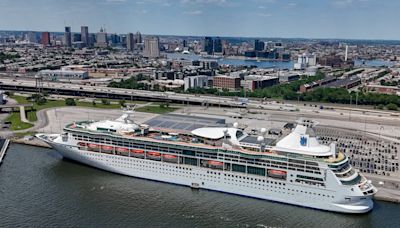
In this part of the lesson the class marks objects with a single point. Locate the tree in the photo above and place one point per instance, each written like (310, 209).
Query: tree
(122, 103)
(70, 102)
(105, 101)
(392, 106)
(94, 102)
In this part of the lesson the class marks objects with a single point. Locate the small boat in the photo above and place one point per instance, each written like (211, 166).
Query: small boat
(154, 155)
(170, 158)
(215, 163)
(277, 174)
(137, 153)
(122, 149)
(106, 148)
(82, 144)
(93, 147)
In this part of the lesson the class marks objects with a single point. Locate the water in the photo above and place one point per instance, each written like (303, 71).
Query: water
(39, 189)
(374, 63)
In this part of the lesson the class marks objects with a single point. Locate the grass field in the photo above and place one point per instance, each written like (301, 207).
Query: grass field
(17, 124)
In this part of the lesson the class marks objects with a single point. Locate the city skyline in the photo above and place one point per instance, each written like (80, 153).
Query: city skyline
(342, 19)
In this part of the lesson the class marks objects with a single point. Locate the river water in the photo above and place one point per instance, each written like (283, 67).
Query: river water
(40, 189)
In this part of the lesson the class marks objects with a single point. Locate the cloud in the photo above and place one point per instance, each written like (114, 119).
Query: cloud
(194, 12)
(264, 14)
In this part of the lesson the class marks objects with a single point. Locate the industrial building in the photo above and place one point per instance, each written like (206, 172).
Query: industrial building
(54, 75)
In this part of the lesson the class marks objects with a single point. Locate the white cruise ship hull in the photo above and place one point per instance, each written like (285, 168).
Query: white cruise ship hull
(217, 180)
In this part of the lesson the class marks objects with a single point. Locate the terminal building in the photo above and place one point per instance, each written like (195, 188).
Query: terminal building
(55, 75)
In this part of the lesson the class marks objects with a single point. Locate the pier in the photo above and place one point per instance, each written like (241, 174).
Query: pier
(4, 146)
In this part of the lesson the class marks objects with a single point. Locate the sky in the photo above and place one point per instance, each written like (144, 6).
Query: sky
(350, 19)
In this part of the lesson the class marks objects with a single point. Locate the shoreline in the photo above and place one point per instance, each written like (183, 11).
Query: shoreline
(380, 196)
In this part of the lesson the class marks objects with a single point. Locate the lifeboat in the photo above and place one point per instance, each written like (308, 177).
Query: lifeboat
(107, 148)
(154, 154)
(93, 146)
(136, 151)
(82, 144)
(215, 163)
(170, 158)
(277, 174)
(122, 149)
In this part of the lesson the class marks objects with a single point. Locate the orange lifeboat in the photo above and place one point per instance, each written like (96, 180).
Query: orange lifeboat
(215, 163)
(81, 144)
(277, 172)
(136, 151)
(93, 146)
(107, 148)
(122, 149)
(169, 156)
(154, 154)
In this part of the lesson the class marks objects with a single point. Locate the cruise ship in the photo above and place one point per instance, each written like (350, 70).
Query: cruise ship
(293, 168)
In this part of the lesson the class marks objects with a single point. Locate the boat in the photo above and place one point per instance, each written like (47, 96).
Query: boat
(294, 168)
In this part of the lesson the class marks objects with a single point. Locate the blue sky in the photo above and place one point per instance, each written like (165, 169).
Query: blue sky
(357, 19)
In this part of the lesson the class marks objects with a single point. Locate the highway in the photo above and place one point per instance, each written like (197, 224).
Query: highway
(256, 106)
(107, 92)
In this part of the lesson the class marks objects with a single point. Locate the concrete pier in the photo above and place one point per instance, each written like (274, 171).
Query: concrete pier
(4, 146)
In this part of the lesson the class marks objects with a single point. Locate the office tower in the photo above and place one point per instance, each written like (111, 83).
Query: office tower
(130, 42)
(85, 35)
(184, 43)
(208, 45)
(151, 47)
(45, 38)
(31, 37)
(77, 37)
(115, 39)
(217, 45)
(67, 37)
(258, 45)
(138, 38)
(346, 53)
(101, 38)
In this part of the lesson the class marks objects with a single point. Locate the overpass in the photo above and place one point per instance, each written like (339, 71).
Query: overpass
(130, 94)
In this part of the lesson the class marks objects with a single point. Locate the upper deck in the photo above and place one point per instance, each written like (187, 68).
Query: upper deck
(245, 145)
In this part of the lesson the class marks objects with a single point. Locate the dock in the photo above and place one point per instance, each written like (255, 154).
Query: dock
(4, 146)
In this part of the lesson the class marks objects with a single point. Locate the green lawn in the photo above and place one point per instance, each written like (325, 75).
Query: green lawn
(16, 123)
(156, 109)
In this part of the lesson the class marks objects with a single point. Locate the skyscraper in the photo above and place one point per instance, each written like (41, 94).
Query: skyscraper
(151, 47)
(101, 38)
(138, 38)
(208, 45)
(258, 45)
(130, 42)
(45, 38)
(67, 37)
(85, 35)
(217, 45)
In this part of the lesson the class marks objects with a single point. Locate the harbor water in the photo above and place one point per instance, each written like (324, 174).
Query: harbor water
(40, 189)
